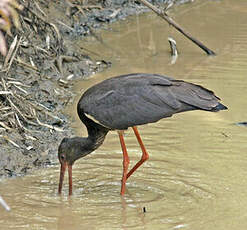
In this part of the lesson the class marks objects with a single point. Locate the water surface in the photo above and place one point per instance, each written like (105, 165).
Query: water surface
(196, 175)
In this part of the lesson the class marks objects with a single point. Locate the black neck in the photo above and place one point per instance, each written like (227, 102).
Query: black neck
(96, 132)
(96, 137)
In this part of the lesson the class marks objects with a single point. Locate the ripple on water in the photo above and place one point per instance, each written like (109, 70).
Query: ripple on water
(162, 185)
(101, 185)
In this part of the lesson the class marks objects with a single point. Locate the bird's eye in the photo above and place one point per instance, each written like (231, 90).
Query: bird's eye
(62, 157)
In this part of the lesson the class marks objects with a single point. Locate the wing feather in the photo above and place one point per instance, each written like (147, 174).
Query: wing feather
(136, 99)
(120, 111)
(195, 95)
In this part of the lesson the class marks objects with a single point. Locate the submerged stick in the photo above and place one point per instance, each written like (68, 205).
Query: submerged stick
(174, 52)
(173, 46)
(176, 26)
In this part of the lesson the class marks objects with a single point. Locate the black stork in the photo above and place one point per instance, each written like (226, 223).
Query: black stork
(128, 101)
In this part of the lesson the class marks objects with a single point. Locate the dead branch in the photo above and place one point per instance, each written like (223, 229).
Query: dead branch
(164, 15)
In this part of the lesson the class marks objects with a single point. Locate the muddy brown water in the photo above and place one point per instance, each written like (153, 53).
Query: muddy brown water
(196, 175)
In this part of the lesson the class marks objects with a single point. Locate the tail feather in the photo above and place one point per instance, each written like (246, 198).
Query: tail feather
(196, 96)
(219, 107)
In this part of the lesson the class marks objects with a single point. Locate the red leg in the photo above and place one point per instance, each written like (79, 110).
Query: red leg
(125, 162)
(145, 155)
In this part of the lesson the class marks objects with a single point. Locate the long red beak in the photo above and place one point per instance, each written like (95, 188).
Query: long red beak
(62, 171)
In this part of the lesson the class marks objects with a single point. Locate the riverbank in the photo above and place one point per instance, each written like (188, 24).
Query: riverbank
(40, 72)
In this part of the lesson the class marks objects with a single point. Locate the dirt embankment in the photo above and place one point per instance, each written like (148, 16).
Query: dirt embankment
(38, 75)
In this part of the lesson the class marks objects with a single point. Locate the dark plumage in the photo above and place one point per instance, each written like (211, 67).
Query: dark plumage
(128, 101)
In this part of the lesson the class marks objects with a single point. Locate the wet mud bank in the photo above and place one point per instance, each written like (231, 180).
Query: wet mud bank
(38, 75)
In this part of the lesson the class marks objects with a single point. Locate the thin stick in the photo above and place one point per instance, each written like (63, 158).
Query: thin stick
(14, 54)
(4, 125)
(19, 61)
(10, 141)
(11, 50)
(176, 26)
(46, 125)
